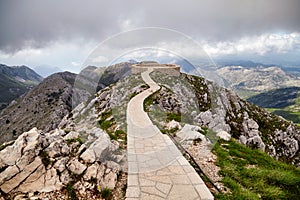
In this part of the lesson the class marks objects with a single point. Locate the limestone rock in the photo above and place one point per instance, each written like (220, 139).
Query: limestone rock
(26, 141)
(173, 125)
(65, 177)
(257, 142)
(8, 173)
(110, 180)
(190, 132)
(98, 150)
(16, 180)
(54, 149)
(224, 135)
(76, 167)
(88, 156)
(71, 135)
(35, 182)
(60, 164)
(52, 181)
(91, 172)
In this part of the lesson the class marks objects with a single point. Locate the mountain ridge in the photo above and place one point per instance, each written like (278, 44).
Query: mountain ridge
(16, 81)
(89, 141)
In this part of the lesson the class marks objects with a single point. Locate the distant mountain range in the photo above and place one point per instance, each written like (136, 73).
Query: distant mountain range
(245, 63)
(248, 78)
(15, 81)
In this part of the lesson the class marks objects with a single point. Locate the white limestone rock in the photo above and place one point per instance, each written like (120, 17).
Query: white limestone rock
(173, 125)
(76, 167)
(191, 132)
(224, 135)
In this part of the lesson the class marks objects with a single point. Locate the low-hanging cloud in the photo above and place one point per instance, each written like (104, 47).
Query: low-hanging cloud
(35, 23)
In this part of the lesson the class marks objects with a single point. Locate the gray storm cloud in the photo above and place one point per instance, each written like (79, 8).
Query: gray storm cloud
(37, 23)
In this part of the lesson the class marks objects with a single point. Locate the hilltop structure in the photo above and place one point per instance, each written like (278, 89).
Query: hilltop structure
(170, 69)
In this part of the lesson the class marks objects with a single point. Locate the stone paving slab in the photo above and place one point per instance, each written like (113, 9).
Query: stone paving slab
(156, 168)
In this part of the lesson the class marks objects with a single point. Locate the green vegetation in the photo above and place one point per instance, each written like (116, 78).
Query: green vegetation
(45, 158)
(106, 193)
(252, 174)
(3, 146)
(73, 140)
(149, 101)
(108, 123)
(286, 113)
(71, 192)
(284, 102)
(174, 116)
(158, 115)
(105, 125)
(167, 131)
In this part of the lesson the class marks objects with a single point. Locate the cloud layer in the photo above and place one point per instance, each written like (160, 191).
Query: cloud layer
(59, 32)
(260, 45)
(38, 23)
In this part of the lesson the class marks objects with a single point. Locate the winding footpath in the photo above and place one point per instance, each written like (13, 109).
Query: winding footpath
(156, 168)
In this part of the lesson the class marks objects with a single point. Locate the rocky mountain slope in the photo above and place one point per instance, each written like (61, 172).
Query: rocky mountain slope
(222, 111)
(42, 107)
(15, 81)
(85, 156)
(54, 98)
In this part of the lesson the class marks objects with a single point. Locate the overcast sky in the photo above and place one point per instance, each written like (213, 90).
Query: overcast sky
(63, 33)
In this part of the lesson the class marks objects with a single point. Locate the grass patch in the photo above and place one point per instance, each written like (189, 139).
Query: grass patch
(149, 101)
(71, 192)
(252, 174)
(105, 115)
(106, 194)
(105, 125)
(174, 116)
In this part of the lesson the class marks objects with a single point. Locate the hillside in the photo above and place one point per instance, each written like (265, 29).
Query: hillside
(15, 81)
(42, 107)
(54, 98)
(85, 156)
(284, 102)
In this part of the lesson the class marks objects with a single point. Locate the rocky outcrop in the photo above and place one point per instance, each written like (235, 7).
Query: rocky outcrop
(224, 112)
(190, 132)
(45, 162)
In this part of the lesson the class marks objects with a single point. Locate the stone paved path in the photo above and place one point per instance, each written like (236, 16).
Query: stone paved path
(156, 168)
